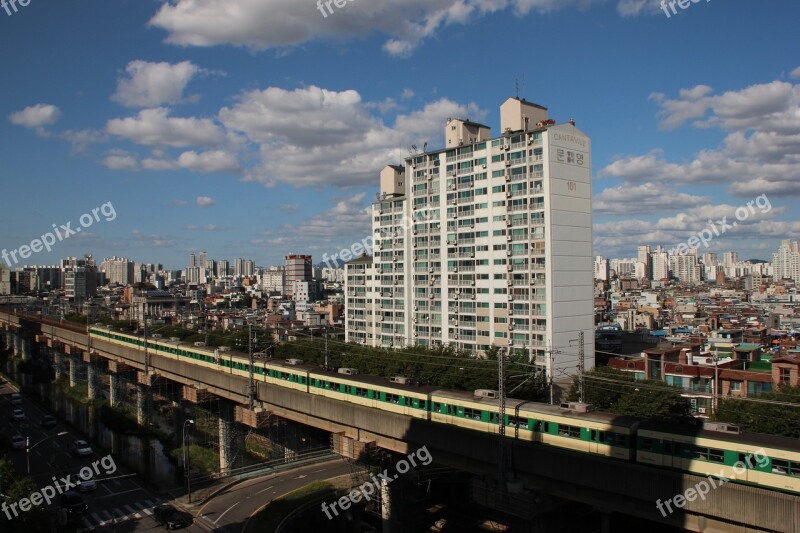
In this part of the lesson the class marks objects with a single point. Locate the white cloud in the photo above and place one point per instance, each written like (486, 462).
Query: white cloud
(205, 162)
(204, 201)
(314, 136)
(153, 127)
(795, 73)
(36, 117)
(264, 24)
(760, 152)
(121, 162)
(649, 198)
(154, 84)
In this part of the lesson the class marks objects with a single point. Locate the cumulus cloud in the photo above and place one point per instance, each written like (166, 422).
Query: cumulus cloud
(154, 127)
(36, 117)
(204, 162)
(121, 162)
(264, 24)
(760, 152)
(204, 201)
(148, 84)
(313, 136)
(649, 198)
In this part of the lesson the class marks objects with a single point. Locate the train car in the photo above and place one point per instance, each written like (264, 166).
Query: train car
(595, 433)
(396, 395)
(720, 450)
(291, 374)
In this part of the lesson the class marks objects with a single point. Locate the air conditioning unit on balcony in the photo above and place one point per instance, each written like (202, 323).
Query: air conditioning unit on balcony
(510, 267)
(508, 253)
(508, 222)
(454, 214)
(430, 270)
(416, 334)
(511, 327)
(455, 335)
(415, 232)
(508, 177)
(510, 282)
(432, 296)
(472, 282)
(510, 297)
(416, 308)
(508, 238)
(455, 296)
(508, 194)
(701, 410)
(508, 163)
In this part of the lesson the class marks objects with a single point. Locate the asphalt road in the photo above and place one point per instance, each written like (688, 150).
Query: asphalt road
(228, 512)
(118, 498)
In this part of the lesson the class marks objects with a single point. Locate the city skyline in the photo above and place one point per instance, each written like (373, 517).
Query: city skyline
(264, 140)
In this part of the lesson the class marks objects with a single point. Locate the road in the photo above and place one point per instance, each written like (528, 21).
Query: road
(228, 512)
(120, 503)
(119, 497)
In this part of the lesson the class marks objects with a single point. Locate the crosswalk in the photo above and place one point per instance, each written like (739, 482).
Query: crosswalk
(118, 515)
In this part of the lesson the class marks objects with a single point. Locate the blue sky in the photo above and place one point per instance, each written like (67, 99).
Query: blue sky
(257, 128)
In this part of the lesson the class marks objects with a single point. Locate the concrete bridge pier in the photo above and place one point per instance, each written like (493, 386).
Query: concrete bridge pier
(58, 362)
(18, 350)
(113, 389)
(9, 340)
(91, 388)
(74, 365)
(226, 435)
(141, 404)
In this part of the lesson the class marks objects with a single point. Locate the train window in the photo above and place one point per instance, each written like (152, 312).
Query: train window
(780, 466)
(647, 444)
(593, 435)
(472, 413)
(794, 469)
(547, 427)
(392, 398)
(493, 418)
(602, 437)
(452, 410)
(718, 456)
(423, 404)
(668, 447)
(364, 393)
(516, 422)
(569, 431)
(699, 453)
(537, 425)
(621, 440)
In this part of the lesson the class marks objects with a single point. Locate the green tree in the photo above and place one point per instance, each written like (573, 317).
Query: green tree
(763, 417)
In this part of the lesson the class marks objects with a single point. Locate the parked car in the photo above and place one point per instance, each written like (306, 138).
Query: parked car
(16, 399)
(171, 518)
(48, 421)
(18, 414)
(18, 442)
(86, 484)
(73, 503)
(81, 448)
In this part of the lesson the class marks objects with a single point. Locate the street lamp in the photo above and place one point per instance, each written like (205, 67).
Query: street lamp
(186, 459)
(28, 447)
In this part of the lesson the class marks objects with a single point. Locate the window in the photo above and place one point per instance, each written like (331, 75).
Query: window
(785, 376)
(647, 444)
(779, 466)
(569, 431)
(736, 386)
(472, 413)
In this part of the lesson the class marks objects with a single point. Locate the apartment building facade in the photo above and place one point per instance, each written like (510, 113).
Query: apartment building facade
(485, 242)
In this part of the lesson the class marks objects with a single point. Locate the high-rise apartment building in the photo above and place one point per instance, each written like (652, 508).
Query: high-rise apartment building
(786, 261)
(486, 242)
(298, 268)
(119, 271)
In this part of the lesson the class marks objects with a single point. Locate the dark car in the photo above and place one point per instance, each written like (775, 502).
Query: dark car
(48, 421)
(73, 503)
(171, 518)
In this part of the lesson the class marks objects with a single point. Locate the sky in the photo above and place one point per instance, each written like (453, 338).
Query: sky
(258, 128)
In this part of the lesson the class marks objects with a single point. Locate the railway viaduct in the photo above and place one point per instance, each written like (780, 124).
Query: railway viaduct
(540, 472)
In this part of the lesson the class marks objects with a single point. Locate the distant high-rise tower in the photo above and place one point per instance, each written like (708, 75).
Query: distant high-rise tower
(485, 242)
(298, 268)
(192, 260)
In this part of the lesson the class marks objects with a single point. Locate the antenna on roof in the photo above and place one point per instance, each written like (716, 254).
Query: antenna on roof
(516, 86)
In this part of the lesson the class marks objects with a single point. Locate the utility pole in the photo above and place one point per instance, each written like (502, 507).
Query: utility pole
(501, 423)
(581, 366)
(716, 380)
(250, 351)
(326, 347)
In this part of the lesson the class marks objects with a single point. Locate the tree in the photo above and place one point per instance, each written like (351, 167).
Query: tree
(762, 417)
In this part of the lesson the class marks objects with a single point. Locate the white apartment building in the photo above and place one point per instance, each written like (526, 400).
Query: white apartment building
(274, 280)
(786, 261)
(486, 242)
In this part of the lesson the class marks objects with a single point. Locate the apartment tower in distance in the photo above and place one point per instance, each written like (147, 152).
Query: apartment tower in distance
(485, 242)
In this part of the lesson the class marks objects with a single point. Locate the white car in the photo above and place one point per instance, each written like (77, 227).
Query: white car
(81, 448)
(18, 442)
(18, 414)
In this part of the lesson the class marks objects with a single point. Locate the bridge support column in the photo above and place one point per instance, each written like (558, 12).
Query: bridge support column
(141, 404)
(91, 375)
(58, 363)
(74, 363)
(9, 340)
(113, 389)
(18, 344)
(388, 514)
(226, 435)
